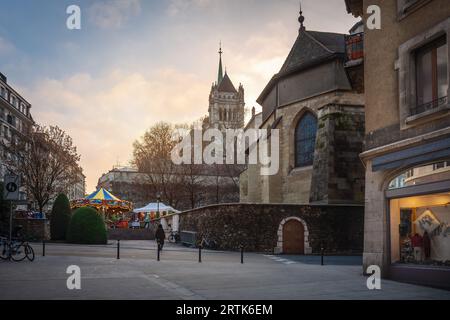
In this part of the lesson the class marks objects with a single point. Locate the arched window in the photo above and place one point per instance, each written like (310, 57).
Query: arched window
(305, 140)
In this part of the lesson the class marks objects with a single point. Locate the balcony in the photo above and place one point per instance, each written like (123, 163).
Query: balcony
(429, 106)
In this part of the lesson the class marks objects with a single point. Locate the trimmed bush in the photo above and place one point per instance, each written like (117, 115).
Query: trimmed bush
(60, 218)
(87, 227)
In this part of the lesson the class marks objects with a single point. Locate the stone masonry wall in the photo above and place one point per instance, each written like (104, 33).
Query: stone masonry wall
(34, 229)
(338, 173)
(339, 228)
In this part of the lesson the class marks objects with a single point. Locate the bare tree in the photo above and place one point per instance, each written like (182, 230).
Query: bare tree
(46, 160)
(151, 155)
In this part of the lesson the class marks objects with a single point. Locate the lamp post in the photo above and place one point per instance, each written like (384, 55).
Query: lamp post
(158, 199)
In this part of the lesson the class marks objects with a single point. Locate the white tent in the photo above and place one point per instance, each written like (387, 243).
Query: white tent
(153, 207)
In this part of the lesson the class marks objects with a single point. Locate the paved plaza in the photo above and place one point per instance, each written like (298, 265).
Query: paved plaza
(137, 275)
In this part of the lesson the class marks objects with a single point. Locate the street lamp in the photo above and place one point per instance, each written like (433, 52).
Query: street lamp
(158, 199)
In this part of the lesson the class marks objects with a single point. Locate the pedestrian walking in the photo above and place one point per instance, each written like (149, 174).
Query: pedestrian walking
(160, 237)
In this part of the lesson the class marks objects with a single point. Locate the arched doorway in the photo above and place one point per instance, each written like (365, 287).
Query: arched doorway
(293, 237)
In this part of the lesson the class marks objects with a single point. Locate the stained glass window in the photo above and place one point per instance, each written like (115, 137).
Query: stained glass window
(305, 140)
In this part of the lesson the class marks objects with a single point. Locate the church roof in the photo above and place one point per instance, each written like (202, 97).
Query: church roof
(226, 85)
(311, 48)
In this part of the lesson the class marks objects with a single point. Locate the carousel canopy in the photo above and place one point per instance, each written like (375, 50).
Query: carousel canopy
(104, 200)
(153, 207)
(102, 194)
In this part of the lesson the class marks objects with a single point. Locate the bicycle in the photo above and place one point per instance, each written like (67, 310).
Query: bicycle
(174, 237)
(16, 250)
(206, 243)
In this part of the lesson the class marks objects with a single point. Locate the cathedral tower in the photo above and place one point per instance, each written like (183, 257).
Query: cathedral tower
(226, 104)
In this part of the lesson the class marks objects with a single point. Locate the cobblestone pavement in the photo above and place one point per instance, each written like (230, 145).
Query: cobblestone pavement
(137, 275)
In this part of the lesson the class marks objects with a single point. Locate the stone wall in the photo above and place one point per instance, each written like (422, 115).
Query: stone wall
(34, 229)
(336, 163)
(338, 227)
(338, 173)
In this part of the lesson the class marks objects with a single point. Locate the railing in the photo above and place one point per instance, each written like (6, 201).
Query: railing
(429, 106)
(354, 46)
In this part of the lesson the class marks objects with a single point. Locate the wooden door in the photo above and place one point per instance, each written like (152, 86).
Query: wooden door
(293, 237)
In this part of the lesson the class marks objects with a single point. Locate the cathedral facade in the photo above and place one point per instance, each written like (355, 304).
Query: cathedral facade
(226, 104)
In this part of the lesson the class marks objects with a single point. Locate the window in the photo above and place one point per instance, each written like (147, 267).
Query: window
(423, 74)
(3, 92)
(431, 76)
(11, 120)
(405, 7)
(305, 140)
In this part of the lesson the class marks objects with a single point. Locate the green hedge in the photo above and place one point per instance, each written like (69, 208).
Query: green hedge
(87, 227)
(60, 218)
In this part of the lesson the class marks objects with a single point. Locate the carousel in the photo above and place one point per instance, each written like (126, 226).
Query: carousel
(105, 202)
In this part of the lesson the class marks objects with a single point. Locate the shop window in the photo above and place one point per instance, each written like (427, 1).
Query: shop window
(420, 224)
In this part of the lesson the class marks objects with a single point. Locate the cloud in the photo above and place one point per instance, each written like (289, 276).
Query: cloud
(6, 47)
(178, 6)
(104, 115)
(113, 14)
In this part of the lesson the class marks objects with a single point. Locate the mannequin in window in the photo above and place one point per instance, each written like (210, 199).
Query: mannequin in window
(417, 244)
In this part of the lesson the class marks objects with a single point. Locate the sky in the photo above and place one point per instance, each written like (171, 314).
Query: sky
(138, 62)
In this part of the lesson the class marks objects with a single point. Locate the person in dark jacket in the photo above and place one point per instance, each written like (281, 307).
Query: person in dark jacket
(160, 236)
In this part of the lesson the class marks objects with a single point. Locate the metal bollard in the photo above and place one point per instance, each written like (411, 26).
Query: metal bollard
(200, 254)
(159, 252)
(43, 248)
(242, 254)
(118, 249)
(322, 250)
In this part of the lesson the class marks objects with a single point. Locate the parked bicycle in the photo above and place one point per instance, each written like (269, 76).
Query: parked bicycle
(206, 243)
(16, 250)
(174, 237)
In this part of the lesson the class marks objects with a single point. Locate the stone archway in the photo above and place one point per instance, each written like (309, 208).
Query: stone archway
(293, 237)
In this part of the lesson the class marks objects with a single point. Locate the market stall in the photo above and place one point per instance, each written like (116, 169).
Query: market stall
(158, 211)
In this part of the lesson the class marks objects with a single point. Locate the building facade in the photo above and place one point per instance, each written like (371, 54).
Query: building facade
(407, 133)
(317, 105)
(15, 119)
(212, 185)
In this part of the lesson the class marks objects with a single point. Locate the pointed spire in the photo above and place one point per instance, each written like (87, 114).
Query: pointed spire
(220, 74)
(301, 19)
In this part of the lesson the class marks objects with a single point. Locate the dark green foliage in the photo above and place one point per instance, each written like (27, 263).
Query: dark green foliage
(60, 218)
(87, 227)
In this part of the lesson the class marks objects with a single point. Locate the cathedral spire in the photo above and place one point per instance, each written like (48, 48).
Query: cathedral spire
(220, 75)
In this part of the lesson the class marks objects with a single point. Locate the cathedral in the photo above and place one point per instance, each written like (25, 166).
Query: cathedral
(226, 104)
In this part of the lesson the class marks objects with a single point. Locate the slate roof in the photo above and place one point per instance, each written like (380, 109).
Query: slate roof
(310, 48)
(313, 46)
(226, 85)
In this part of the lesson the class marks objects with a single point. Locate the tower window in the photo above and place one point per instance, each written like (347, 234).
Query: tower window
(305, 140)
